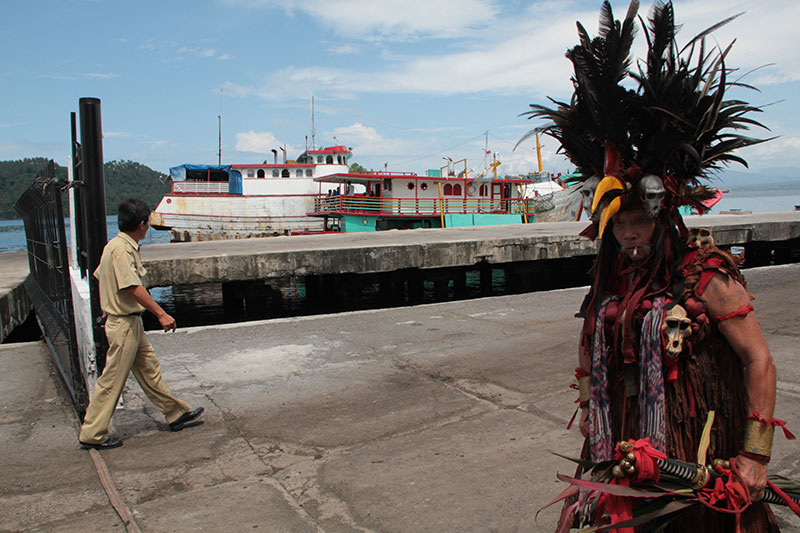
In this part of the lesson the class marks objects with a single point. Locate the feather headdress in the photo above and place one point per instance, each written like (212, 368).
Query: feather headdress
(659, 140)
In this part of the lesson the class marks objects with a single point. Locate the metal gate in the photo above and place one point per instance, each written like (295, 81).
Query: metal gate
(48, 285)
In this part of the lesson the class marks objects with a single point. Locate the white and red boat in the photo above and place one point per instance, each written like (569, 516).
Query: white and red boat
(212, 202)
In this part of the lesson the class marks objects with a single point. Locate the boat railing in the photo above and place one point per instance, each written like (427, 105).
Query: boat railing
(208, 187)
(372, 205)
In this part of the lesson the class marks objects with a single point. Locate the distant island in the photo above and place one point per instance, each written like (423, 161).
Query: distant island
(123, 179)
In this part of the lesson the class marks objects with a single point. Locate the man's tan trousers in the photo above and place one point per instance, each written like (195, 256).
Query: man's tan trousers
(128, 350)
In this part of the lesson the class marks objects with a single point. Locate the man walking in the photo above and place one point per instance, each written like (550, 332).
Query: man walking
(123, 298)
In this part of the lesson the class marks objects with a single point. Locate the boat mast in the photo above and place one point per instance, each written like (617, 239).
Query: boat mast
(313, 129)
(219, 135)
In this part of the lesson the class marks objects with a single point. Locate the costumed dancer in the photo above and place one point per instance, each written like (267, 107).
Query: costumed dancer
(669, 334)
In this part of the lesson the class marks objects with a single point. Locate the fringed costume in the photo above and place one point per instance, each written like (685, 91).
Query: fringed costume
(706, 377)
(658, 364)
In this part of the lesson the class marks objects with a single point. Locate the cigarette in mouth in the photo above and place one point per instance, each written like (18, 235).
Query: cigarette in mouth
(635, 251)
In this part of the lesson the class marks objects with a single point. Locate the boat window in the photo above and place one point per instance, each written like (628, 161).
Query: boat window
(261, 173)
(285, 173)
(329, 160)
(207, 175)
(251, 173)
(319, 159)
(275, 173)
(484, 190)
(308, 172)
(457, 189)
(387, 185)
(448, 189)
(298, 173)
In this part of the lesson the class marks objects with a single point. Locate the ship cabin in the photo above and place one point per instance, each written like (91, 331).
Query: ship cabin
(261, 178)
(370, 201)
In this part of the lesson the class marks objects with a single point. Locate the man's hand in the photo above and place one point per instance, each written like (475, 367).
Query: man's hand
(583, 422)
(753, 474)
(167, 322)
(143, 297)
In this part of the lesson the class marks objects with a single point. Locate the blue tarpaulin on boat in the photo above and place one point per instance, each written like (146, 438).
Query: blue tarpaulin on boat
(234, 176)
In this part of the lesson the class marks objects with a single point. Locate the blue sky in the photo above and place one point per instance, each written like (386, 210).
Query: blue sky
(403, 82)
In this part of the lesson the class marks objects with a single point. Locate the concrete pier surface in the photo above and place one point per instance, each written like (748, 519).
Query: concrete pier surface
(427, 418)
(15, 306)
(388, 251)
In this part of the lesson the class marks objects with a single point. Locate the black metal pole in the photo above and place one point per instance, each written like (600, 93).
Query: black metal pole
(94, 209)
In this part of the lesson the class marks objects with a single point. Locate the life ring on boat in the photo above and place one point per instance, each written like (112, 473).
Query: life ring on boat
(472, 189)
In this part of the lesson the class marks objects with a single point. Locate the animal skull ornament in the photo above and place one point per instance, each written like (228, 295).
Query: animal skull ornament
(700, 237)
(587, 192)
(652, 194)
(676, 327)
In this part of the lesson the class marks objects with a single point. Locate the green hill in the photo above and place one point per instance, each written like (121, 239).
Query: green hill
(123, 179)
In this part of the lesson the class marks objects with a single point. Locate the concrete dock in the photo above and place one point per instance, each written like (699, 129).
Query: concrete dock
(15, 306)
(426, 418)
(395, 250)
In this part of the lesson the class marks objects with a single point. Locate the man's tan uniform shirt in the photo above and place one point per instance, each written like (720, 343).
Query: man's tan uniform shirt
(120, 267)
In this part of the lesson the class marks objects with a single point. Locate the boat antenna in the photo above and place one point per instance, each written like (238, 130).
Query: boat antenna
(313, 129)
(486, 150)
(219, 137)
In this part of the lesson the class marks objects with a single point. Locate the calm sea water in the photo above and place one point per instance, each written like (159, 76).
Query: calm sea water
(12, 234)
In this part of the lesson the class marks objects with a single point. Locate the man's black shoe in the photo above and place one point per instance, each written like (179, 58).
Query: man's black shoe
(110, 442)
(185, 418)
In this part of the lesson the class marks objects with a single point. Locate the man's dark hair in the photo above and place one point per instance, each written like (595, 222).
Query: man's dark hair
(132, 212)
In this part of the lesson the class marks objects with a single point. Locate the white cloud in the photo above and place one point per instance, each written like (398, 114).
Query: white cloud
(201, 52)
(237, 91)
(761, 34)
(261, 142)
(171, 48)
(344, 49)
(158, 143)
(366, 142)
(388, 19)
(516, 55)
(100, 75)
(522, 54)
(783, 147)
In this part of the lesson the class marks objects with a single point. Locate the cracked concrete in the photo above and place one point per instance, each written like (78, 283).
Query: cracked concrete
(428, 418)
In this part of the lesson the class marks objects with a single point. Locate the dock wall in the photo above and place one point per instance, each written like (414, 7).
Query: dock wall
(15, 306)
(394, 250)
(343, 271)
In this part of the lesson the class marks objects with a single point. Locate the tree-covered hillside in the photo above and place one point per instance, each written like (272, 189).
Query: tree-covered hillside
(123, 179)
